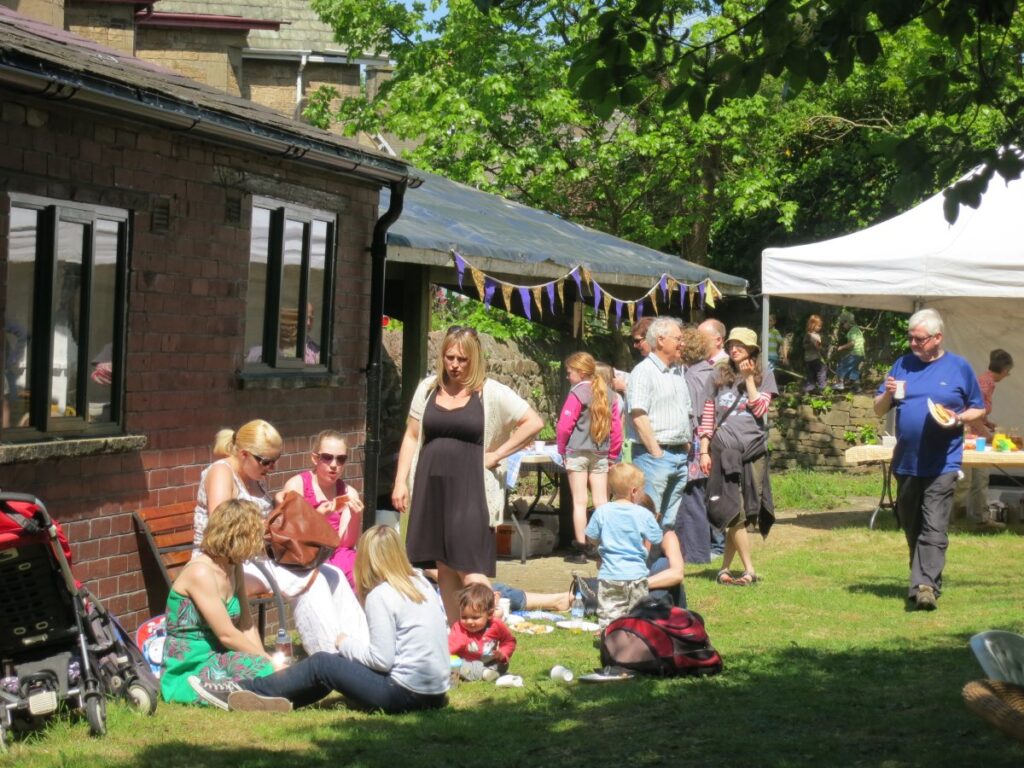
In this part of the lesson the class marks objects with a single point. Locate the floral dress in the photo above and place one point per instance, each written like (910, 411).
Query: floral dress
(191, 648)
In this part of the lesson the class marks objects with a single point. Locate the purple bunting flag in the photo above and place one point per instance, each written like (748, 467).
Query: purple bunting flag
(618, 313)
(551, 296)
(460, 266)
(524, 296)
(597, 295)
(663, 284)
(700, 291)
(489, 287)
(579, 283)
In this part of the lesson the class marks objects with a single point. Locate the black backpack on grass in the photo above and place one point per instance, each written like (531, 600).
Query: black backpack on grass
(659, 639)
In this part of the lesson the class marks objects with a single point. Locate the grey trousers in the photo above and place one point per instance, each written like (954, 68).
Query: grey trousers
(923, 506)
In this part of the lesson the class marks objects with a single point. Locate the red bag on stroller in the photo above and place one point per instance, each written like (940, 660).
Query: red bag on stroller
(57, 642)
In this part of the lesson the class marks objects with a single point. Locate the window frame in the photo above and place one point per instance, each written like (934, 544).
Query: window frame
(45, 425)
(280, 214)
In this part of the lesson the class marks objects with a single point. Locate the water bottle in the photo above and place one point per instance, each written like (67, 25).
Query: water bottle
(577, 607)
(282, 648)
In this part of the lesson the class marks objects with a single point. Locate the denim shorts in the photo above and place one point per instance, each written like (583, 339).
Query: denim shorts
(587, 461)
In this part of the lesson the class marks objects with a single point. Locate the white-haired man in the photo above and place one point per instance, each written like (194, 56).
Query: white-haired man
(658, 401)
(927, 457)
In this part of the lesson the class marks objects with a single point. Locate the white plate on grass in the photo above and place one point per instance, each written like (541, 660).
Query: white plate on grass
(578, 624)
(608, 675)
(529, 628)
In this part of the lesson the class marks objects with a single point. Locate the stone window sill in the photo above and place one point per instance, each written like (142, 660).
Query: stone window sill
(70, 448)
(281, 379)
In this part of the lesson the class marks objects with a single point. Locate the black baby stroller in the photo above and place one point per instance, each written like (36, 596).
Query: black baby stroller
(57, 643)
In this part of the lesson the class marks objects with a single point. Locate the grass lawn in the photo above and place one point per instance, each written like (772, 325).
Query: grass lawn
(824, 666)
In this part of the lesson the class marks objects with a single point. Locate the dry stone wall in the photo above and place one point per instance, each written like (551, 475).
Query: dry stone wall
(802, 437)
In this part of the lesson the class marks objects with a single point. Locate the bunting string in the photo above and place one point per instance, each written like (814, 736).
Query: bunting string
(700, 293)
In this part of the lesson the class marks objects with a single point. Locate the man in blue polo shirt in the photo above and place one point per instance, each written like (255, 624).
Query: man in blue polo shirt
(927, 457)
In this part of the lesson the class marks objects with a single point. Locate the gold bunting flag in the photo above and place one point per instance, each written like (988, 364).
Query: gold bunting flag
(536, 291)
(506, 294)
(585, 274)
(653, 295)
(607, 303)
(672, 285)
(629, 310)
(561, 292)
(711, 293)
(478, 281)
(693, 298)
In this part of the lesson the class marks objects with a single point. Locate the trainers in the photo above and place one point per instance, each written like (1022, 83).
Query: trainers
(490, 675)
(214, 692)
(925, 599)
(247, 701)
(576, 558)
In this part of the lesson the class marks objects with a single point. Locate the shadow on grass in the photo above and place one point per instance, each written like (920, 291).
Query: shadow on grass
(831, 520)
(799, 707)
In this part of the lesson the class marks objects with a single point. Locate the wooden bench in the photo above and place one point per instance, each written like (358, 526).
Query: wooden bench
(165, 546)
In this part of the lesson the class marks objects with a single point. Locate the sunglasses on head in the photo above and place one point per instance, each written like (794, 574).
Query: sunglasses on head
(461, 329)
(330, 458)
(264, 462)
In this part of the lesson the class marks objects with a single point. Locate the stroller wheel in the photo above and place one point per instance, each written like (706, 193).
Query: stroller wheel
(96, 714)
(141, 699)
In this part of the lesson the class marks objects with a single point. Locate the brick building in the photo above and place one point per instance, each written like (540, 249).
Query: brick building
(157, 237)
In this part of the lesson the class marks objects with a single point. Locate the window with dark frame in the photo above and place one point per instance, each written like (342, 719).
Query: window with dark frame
(64, 320)
(291, 280)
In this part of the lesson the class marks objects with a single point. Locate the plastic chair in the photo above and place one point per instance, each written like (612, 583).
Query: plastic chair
(1001, 655)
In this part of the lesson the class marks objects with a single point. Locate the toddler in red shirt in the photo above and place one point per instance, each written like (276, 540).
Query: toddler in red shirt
(482, 642)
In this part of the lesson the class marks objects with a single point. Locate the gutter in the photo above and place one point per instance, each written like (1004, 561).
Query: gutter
(91, 91)
(378, 256)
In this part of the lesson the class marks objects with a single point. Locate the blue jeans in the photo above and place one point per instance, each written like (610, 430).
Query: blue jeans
(309, 680)
(664, 480)
(849, 368)
(516, 597)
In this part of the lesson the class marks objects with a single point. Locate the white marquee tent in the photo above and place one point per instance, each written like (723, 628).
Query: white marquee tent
(971, 271)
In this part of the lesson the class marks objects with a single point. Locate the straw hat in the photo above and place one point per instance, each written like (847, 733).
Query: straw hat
(744, 336)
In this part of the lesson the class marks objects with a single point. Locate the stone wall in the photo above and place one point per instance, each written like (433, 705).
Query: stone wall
(800, 437)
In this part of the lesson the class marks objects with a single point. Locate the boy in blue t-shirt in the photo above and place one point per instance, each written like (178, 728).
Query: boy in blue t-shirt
(622, 530)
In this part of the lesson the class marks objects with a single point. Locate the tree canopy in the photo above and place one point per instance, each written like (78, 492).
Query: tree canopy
(705, 129)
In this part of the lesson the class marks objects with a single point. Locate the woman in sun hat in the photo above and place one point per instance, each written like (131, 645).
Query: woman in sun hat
(733, 439)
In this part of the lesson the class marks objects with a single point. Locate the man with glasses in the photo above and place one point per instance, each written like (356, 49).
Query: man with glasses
(658, 402)
(927, 458)
(638, 340)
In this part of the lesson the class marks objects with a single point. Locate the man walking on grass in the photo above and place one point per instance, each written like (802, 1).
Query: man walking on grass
(928, 454)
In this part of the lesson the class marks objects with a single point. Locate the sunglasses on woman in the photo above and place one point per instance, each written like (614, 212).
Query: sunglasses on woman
(461, 329)
(330, 458)
(264, 462)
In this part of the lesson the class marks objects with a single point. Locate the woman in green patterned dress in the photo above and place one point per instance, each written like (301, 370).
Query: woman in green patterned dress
(210, 632)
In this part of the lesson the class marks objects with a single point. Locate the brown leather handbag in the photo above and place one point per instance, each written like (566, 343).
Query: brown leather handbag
(297, 536)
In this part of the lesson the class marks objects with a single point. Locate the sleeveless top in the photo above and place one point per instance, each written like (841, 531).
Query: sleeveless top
(340, 489)
(202, 514)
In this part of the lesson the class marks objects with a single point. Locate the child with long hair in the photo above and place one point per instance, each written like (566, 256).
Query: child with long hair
(589, 437)
(814, 363)
(329, 495)
(402, 666)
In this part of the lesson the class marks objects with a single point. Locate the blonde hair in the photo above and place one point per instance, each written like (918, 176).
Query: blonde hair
(600, 411)
(813, 320)
(380, 558)
(695, 346)
(327, 434)
(234, 531)
(256, 436)
(469, 341)
(622, 478)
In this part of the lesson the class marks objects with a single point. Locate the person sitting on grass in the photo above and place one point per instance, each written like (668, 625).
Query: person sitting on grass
(403, 666)
(482, 642)
(664, 561)
(210, 631)
(621, 528)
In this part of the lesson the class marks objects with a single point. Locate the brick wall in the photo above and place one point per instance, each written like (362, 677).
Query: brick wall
(47, 11)
(186, 307)
(108, 24)
(272, 83)
(210, 56)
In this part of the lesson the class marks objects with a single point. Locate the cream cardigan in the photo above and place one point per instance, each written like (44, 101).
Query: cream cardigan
(503, 409)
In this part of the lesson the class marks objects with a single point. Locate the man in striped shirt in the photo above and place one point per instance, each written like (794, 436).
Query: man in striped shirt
(659, 407)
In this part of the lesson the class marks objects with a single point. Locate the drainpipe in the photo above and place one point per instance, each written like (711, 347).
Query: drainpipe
(298, 86)
(378, 257)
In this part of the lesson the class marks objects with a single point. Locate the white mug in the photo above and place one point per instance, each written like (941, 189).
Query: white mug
(901, 390)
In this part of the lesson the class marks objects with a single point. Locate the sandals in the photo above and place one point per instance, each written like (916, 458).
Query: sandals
(746, 580)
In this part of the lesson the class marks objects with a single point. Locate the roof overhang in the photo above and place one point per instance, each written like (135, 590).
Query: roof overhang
(150, 19)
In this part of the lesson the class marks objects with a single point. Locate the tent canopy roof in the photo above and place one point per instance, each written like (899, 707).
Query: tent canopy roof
(916, 257)
(497, 234)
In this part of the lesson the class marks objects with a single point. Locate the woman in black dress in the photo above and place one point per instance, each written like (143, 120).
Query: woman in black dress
(461, 426)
